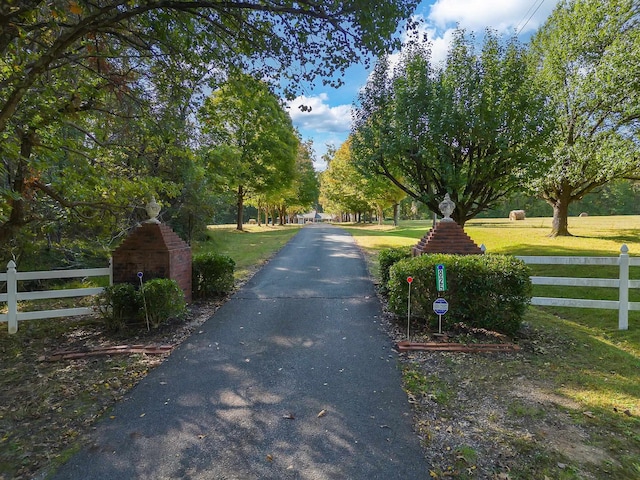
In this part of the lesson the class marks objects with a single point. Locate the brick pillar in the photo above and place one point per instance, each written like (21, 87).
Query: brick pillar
(156, 251)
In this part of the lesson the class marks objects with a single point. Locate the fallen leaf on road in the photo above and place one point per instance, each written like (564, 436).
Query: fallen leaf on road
(269, 458)
(322, 413)
(289, 416)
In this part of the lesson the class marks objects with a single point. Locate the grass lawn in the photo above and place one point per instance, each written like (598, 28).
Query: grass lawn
(250, 248)
(585, 359)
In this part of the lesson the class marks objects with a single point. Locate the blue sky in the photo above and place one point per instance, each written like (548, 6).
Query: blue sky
(329, 120)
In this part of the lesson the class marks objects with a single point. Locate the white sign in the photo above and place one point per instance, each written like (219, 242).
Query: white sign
(440, 306)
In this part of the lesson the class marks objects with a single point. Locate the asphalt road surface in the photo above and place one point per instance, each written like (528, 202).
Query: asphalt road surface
(293, 378)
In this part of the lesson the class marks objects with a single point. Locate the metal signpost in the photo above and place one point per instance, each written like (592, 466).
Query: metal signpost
(440, 306)
(409, 281)
(441, 278)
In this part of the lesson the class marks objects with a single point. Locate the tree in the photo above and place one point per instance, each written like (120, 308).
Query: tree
(303, 193)
(345, 189)
(588, 59)
(252, 141)
(300, 196)
(473, 128)
(68, 66)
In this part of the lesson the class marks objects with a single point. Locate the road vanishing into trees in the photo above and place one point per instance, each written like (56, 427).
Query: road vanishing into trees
(293, 378)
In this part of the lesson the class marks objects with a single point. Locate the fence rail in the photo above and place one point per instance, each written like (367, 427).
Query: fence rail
(12, 297)
(622, 283)
(623, 305)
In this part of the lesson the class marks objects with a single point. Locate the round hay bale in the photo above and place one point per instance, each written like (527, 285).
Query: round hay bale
(517, 215)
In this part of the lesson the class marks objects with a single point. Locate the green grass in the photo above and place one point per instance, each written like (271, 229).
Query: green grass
(594, 236)
(418, 384)
(250, 248)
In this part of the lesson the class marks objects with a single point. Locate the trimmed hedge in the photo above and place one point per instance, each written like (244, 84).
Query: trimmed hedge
(387, 258)
(212, 274)
(484, 291)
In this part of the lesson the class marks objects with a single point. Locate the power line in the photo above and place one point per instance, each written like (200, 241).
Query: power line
(530, 16)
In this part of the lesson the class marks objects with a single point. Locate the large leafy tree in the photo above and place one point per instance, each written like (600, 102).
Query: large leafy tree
(588, 59)
(473, 128)
(251, 140)
(78, 76)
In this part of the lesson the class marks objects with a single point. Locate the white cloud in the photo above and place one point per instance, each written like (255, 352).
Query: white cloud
(322, 117)
(505, 16)
(439, 21)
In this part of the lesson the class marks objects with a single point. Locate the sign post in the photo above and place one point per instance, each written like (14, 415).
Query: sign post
(441, 278)
(440, 307)
(409, 281)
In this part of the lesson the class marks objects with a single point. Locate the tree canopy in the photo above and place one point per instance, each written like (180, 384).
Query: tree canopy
(588, 61)
(251, 141)
(344, 189)
(473, 128)
(85, 86)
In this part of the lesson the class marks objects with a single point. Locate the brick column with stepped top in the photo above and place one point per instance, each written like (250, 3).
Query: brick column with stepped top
(446, 236)
(157, 251)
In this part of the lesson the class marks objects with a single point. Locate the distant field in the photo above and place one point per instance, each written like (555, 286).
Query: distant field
(601, 236)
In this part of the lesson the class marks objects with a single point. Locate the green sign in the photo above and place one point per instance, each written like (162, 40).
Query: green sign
(441, 278)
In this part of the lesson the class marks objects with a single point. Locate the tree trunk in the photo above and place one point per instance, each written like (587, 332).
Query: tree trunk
(283, 210)
(259, 208)
(396, 214)
(240, 199)
(560, 222)
(17, 202)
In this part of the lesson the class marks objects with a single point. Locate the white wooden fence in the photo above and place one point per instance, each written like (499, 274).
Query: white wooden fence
(12, 297)
(622, 283)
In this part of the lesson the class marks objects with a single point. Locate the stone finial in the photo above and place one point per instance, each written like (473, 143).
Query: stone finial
(447, 207)
(153, 209)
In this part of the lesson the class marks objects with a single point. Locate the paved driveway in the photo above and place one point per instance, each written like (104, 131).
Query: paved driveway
(293, 378)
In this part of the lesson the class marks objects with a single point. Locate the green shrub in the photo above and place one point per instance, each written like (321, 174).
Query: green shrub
(484, 291)
(123, 305)
(164, 299)
(120, 305)
(212, 274)
(387, 258)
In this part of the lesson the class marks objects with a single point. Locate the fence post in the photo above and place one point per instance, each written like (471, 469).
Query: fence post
(12, 297)
(623, 298)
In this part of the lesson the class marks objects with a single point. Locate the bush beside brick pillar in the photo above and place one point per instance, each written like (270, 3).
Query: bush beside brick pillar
(156, 251)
